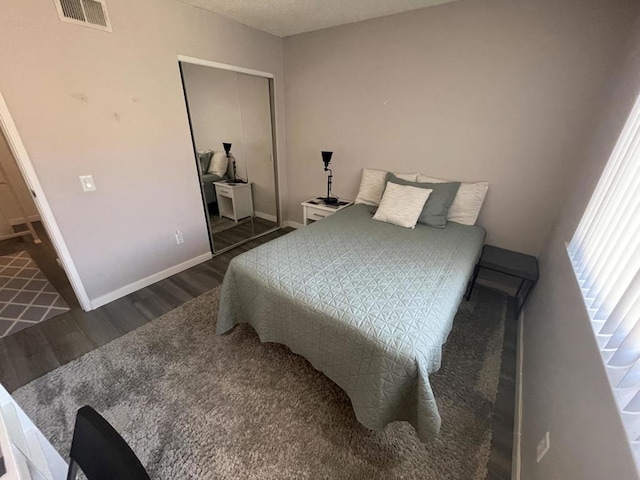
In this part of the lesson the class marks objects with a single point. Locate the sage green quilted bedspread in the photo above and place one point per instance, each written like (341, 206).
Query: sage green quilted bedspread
(369, 304)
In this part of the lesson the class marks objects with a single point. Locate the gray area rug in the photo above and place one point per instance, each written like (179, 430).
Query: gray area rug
(26, 296)
(194, 405)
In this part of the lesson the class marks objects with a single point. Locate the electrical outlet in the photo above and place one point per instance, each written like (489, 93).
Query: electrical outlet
(543, 447)
(179, 237)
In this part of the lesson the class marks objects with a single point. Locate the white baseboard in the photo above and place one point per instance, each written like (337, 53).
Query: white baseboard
(20, 221)
(516, 462)
(292, 224)
(266, 216)
(145, 282)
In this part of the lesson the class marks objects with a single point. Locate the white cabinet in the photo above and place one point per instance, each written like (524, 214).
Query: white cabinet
(235, 200)
(315, 209)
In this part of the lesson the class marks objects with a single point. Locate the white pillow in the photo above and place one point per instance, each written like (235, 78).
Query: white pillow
(468, 202)
(219, 164)
(373, 182)
(402, 204)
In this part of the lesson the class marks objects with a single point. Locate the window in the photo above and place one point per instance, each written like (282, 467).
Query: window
(605, 252)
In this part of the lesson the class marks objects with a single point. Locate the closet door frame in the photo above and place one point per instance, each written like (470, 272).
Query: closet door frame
(272, 102)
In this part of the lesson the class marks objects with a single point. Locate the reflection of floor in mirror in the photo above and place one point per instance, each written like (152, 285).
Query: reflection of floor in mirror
(220, 224)
(238, 232)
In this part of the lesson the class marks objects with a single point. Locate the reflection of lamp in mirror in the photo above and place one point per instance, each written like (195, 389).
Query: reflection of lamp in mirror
(232, 159)
(326, 159)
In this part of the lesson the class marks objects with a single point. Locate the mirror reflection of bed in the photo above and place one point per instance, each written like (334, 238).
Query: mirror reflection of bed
(231, 125)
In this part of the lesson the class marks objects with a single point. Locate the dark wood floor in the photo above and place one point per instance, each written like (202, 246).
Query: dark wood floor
(500, 460)
(40, 349)
(37, 350)
(44, 255)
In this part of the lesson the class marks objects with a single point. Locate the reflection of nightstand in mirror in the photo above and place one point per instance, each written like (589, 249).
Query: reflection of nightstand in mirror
(234, 200)
(315, 209)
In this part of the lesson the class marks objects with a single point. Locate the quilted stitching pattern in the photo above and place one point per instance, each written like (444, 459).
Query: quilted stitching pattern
(367, 303)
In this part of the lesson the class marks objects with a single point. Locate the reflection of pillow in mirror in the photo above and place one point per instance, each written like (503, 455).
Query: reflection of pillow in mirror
(205, 160)
(219, 164)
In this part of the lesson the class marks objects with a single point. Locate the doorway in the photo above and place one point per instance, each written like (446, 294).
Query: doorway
(33, 285)
(231, 119)
(48, 228)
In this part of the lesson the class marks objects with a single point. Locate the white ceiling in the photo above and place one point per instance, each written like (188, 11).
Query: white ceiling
(289, 17)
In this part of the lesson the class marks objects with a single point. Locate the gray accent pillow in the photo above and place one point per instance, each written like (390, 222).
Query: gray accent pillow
(205, 160)
(434, 212)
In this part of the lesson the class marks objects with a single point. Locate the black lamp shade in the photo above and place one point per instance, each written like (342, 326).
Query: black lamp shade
(227, 147)
(326, 158)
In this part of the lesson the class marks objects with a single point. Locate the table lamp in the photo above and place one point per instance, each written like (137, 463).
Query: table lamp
(326, 159)
(227, 149)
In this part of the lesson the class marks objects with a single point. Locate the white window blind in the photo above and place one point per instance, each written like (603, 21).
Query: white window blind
(605, 252)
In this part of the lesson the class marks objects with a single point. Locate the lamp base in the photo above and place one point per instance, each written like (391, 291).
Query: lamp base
(330, 200)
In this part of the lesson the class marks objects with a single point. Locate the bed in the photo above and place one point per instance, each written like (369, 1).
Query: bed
(367, 303)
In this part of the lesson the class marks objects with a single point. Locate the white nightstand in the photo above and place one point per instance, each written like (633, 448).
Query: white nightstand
(315, 209)
(234, 200)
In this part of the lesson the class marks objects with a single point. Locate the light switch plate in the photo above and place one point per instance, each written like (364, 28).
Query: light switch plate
(88, 185)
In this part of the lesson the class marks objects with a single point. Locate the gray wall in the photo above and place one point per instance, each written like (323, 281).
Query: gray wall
(497, 90)
(257, 138)
(565, 387)
(111, 105)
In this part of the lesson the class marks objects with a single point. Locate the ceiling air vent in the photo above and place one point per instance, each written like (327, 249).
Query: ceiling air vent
(88, 13)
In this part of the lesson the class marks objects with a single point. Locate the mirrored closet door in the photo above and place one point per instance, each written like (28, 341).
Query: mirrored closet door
(230, 115)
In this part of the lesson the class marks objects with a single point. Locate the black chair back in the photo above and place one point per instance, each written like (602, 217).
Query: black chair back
(100, 451)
